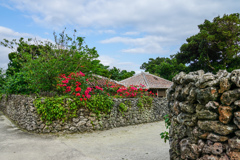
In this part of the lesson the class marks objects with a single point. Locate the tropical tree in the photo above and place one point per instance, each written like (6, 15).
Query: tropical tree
(164, 67)
(35, 65)
(118, 75)
(215, 47)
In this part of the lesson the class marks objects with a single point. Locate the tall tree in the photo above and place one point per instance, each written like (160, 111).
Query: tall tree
(164, 67)
(35, 67)
(118, 75)
(215, 47)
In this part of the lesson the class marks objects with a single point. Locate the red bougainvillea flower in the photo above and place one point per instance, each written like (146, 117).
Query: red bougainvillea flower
(80, 99)
(89, 89)
(68, 89)
(78, 83)
(78, 94)
(65, 81)
(78, 89)
(88, 96)
(99, 88)
(134, 89)
(63, 76)
(86, 79)
(73, 93)
(85, 99)
(82, 74)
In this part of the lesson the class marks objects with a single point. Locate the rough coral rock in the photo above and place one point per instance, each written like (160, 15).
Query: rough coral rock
(208, 112)
(217, 138)
(207, 115)
(235, 77)
(187, 119)
(225, 114)
(236, 119)
(234, 143)
(234, 155)
(206, 95)
(217, 127)
(225, 85)
(229, 97)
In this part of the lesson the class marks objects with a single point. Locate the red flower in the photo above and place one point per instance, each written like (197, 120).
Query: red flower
(80, 99)
(78, 89)
(85, 99)
(82, 74)
(78, 94)
(78, 83)
(99, 88)
(66, 81)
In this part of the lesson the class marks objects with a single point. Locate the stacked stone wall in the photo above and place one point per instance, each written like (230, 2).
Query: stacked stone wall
(21, 110)
(205, 116)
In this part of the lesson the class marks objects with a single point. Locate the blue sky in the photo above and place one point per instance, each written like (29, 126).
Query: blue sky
(125, 33)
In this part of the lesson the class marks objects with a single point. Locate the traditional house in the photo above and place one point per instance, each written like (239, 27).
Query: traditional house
(101, 81)
(153, 83)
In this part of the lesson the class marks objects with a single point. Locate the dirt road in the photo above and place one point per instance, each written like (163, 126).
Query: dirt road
(139, 142)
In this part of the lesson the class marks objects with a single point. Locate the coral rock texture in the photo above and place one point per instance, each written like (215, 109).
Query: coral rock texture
(205, 115)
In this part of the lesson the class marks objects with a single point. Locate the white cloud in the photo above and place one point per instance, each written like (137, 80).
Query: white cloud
(106, 60)
(4, 57)
(9, 34)
(109, 31)
(112, 62)
(164, 23)
(144, 15)
(131, 33)
(147, 44)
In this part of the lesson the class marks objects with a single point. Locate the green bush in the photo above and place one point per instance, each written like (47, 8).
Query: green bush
(165, 135)
(18, 83)
(65, 107)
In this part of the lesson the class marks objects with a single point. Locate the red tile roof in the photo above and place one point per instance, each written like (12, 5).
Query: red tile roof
(147, 79)
(102, 81)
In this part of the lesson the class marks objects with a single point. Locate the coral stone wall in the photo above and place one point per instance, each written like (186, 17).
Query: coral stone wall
(21, 110)
(205, 116)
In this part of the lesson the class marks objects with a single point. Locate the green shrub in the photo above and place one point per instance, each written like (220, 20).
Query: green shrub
(144, 102)
(19, 83)
(165, 134)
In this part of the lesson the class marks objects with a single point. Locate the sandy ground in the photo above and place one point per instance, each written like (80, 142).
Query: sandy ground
(139, 142)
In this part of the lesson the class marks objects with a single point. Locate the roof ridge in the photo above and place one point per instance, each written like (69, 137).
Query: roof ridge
(108, 79)
(158, 77)
(147, 85)
(129, 77)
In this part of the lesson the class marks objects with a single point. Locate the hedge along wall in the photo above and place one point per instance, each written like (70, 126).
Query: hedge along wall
(205, 116)
(21, 110)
